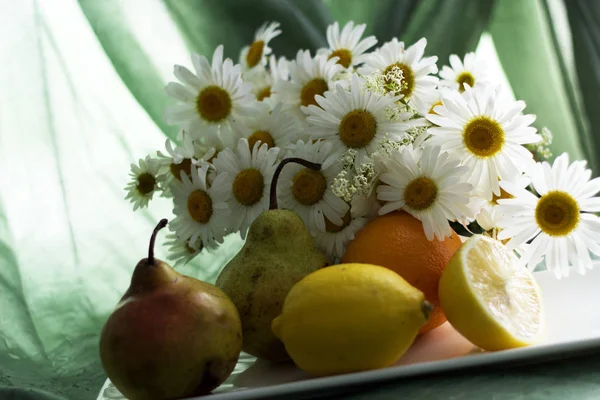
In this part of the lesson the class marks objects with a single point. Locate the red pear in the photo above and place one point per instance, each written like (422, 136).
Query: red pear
(170, 336)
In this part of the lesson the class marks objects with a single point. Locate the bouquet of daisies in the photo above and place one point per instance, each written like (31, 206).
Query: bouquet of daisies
(390, 132)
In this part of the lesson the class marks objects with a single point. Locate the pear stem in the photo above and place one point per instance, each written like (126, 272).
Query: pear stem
(273, 194)
(161, 224)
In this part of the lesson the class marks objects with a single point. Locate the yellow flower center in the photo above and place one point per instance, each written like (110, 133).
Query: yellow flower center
(434, 105)
(255, 53)
(145, 184)
(557, 213)
(309, 186)
(503, 195)
(317, 86)
(261, 136)
(264, 93)
(199, 206)
(420, 193)
(248, 186)
(465, 77)
(213, 103)
(408, 78)
(185, 165)
(333, 228)
(483, 137)
(358, 128)
(345, 57)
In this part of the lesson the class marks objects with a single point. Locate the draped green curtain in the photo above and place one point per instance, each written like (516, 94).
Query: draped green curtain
(523, 35)
(83, 96)
(584, 18)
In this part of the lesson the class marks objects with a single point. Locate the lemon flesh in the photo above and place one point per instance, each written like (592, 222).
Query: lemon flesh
(350, 317)
(490, 298)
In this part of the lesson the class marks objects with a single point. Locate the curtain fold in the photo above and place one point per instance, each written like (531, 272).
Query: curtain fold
(135, 67)
(584, 19)
(531, 60)
(450, 26)
(207, 23)
(387, 20)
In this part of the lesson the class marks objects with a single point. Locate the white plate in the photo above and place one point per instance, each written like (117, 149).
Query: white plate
(571, 330)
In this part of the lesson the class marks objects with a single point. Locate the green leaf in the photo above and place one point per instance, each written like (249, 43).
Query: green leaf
(531, 60)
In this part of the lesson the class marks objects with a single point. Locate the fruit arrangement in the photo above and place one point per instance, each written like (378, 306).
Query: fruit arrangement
(348, 173)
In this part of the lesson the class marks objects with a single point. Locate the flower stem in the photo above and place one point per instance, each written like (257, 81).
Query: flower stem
(273, 195)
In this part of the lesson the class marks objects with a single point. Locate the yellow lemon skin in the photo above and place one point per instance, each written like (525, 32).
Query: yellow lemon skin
(470, 309)
(350, 317)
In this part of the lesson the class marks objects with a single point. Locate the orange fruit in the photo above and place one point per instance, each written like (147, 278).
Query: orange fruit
(397, 241)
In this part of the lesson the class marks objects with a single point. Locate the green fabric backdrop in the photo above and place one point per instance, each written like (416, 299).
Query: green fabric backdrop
(83, 96)
(584, 18)
(523, 37)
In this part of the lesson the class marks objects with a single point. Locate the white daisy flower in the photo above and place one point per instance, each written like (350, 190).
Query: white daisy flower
(212, 97)
(309, 192)
(355, 119)
(212, 143)
(346, 45)
(557, 220)
(417, 83)
(485, 132)
(201, 209)
(427, 103)
(432, 188)
(185, 148)
(181, 251)
(472, 72)
(191, 152)
(487, 218)
(274, 128)
(256, 54)
(249, 175)
(367, 206)
(181, 157)
(264, 80)
(146, 179)
(334, 240)
(309, 77)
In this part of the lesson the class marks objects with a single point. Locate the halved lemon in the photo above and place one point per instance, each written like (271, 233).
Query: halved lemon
(490, 298)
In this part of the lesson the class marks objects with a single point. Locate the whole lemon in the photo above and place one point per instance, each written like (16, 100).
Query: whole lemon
(397, 241)
(350, 317)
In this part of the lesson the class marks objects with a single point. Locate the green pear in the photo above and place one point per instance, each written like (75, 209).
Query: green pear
(170, 336)
(279, 251)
